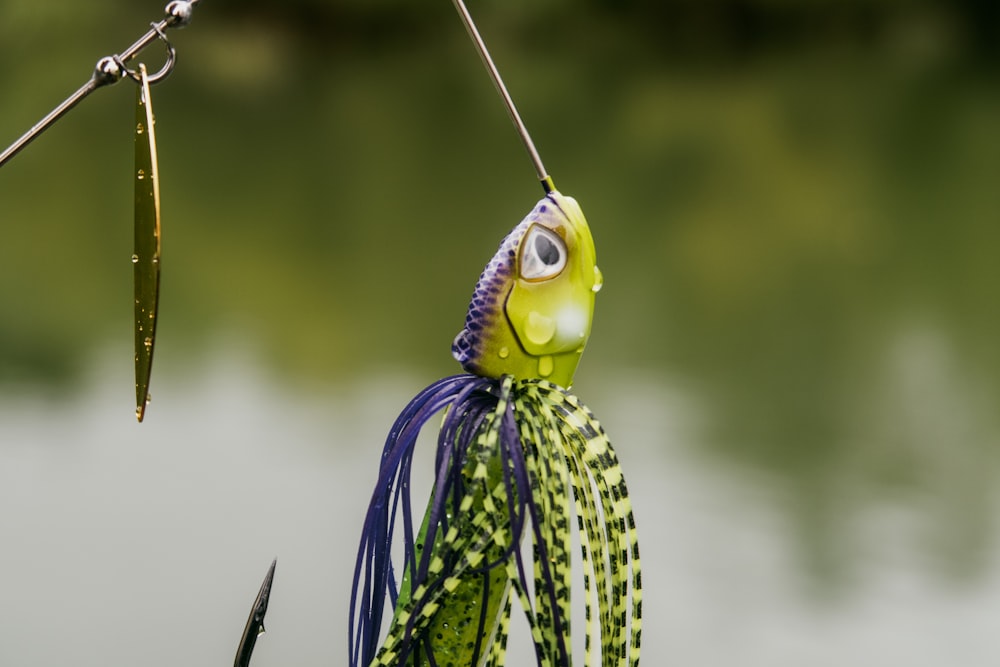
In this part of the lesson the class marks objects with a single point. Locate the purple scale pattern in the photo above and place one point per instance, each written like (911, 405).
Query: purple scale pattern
(488, 297)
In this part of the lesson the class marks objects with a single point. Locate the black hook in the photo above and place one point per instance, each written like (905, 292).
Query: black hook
(255, 623)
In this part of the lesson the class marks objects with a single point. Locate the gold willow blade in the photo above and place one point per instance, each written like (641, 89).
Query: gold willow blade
(146, 258)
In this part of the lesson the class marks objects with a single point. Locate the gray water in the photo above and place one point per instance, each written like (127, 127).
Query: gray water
(144, 544)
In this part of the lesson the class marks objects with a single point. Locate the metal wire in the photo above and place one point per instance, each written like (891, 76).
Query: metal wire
(111, 69)
(484, 53)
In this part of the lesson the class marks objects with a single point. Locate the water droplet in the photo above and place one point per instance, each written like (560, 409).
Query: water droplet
(545, 365)
(538, 328)
(141, 174)
(598, 279)
(261, 630)
(135, 259)
(139, 129)
(504, 352)
(156, 259)
(148, 342)
(138, 413)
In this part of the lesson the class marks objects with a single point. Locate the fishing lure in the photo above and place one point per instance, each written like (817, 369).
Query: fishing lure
(515, 451)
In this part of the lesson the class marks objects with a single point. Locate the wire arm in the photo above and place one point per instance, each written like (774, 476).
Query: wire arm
(508, 101)
(111, 69)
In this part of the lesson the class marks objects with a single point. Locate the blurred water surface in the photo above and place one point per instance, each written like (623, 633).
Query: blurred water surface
(795, 351)
(127, 543)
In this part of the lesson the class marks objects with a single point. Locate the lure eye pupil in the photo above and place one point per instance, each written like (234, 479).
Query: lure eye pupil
(547, 251)
(543, 254)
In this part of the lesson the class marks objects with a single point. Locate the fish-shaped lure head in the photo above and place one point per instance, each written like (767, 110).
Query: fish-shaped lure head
(533, 305)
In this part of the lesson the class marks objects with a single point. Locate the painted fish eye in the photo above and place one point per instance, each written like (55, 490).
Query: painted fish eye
(543, 254)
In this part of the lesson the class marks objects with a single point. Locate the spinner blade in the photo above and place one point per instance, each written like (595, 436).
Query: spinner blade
(146, 256)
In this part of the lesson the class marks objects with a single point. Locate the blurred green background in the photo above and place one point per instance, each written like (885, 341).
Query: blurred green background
(794, 203)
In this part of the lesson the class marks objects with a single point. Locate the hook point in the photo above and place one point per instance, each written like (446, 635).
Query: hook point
(255, 623)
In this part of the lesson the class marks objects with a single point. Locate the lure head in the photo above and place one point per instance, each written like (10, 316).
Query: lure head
(533, 305)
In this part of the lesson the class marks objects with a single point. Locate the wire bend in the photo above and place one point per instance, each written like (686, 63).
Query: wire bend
(163, 72)
(168, 66)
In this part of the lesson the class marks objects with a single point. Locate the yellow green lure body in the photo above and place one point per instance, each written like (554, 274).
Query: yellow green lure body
(532, 308)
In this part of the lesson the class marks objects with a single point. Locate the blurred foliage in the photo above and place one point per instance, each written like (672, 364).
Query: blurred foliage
(794, 206)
